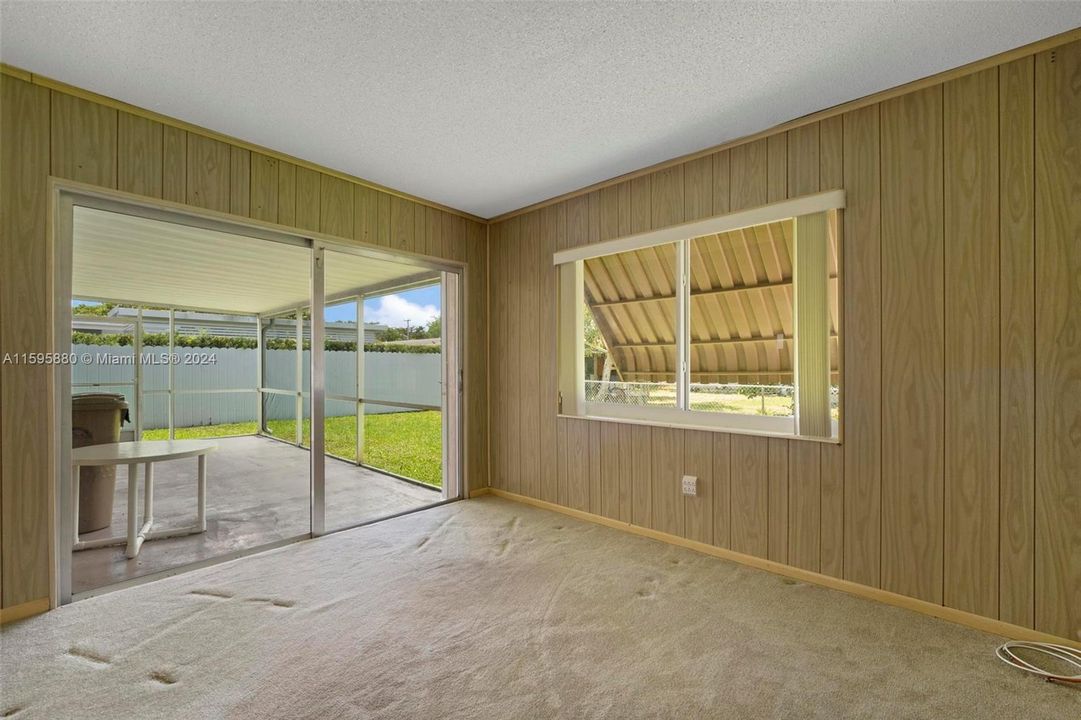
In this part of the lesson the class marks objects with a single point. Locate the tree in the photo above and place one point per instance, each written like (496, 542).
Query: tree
(596, 347)
(410, 332)
(594, 341)
(97, 309)
(392, 334)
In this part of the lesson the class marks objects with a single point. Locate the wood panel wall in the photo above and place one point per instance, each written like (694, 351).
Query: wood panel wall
(49, 132)
(959, 478)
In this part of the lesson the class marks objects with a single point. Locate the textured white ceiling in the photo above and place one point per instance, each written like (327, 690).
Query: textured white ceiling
(491, 106)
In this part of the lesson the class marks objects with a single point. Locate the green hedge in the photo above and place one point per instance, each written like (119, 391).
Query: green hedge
(242, 343)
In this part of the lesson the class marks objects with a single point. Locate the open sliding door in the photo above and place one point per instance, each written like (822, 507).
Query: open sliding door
(262, 387)
(391, 423)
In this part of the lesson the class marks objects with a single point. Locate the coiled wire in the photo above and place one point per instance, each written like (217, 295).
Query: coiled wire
(1067, 655)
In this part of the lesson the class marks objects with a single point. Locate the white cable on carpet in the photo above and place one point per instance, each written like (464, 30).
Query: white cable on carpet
(1068, 655)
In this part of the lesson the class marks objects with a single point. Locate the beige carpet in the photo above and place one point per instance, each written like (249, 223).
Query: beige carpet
(490, 609)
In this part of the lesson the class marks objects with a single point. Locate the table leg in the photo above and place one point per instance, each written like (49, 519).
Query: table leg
(148, 492)
(202, 493)
(75, 473)
(133, 510)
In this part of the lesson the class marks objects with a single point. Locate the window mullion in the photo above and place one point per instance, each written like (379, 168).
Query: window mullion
(683, 325)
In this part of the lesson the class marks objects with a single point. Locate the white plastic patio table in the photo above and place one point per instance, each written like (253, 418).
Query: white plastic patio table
(132, 454)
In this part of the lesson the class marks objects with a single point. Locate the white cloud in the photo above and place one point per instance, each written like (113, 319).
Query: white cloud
(395, 311)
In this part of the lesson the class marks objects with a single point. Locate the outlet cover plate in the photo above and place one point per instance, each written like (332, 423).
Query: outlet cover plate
(690, 485)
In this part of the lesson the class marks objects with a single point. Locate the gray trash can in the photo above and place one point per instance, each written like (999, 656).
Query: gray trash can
(95, 420)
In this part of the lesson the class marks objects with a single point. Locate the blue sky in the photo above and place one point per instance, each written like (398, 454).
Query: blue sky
(417, 306)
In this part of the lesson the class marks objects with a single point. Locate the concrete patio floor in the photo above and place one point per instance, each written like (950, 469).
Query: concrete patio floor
(257, 493)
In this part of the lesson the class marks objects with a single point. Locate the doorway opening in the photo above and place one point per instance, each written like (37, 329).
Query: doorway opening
(235, 388)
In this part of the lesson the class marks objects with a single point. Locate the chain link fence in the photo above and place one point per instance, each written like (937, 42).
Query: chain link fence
(744, 399)
(631, 393)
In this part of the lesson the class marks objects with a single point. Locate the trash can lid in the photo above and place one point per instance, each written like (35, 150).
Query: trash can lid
(99, 401)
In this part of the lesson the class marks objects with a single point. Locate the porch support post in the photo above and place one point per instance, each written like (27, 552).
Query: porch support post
(172, 374)
(299, 434)
(259, 364)
(360, 380)
(138, 399)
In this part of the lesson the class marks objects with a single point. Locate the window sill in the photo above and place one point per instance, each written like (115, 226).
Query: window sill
(731, 430)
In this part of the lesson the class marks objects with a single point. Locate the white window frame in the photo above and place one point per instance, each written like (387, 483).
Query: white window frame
(571, 349)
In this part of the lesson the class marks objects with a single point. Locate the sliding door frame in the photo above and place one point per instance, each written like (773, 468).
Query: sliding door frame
(452, 339)
(64, 196)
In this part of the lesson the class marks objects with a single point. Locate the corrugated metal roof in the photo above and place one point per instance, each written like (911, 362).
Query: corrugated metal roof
(741, 307)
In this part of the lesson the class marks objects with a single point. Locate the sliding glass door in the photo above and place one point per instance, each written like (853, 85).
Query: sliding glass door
(273, 387)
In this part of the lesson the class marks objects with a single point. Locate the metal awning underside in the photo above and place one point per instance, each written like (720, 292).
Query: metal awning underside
(142, 261)
(741, 309)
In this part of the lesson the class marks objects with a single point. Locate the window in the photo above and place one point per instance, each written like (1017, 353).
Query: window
(731, 322)
(630, 347)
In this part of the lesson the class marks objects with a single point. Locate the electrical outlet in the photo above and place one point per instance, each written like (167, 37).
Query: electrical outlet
(690, 485)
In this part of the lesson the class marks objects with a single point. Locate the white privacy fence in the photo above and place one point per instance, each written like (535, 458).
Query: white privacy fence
(223, 389)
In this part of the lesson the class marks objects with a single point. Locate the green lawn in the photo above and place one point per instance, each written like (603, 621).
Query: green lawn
(711, 400)
(408, 443)
(728, 402)
(736, 403)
